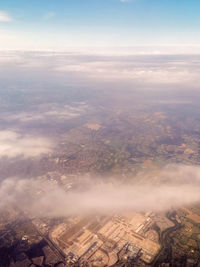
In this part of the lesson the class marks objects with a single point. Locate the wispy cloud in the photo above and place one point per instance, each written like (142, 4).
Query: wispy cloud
(49, 15)
(4, 17)
(61, 113)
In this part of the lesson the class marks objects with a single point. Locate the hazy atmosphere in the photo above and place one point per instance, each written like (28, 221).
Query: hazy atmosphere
(99, 133)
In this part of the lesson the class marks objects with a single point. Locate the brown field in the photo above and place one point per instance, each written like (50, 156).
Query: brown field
(194, 217)
(93, 126)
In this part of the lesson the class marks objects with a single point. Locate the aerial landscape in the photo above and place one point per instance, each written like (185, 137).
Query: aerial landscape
(99, 133)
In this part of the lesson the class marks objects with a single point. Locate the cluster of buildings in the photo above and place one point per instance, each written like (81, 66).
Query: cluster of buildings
(105, 240)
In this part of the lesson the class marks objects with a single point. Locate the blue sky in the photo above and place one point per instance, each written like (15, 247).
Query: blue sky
(98, 23)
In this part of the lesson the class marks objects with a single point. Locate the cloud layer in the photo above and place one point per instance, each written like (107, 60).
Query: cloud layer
(148, 70)
(179, 185)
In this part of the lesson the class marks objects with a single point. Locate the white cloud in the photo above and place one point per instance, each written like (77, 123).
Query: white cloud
(13, 144)
(179, 185)
(143, 70)
(65, 112)
(4, 17)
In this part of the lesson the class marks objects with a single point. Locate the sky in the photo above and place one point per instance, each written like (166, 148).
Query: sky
(64, 24)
